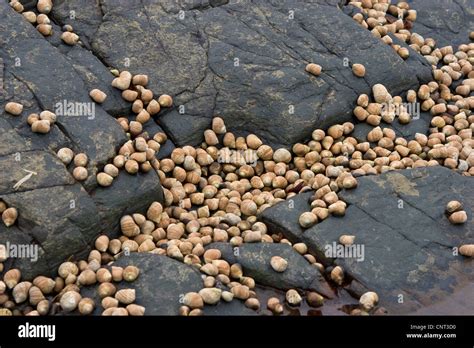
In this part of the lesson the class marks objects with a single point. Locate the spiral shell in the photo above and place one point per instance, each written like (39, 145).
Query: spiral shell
(20, 291)
(43, 307)
(69, 301)
(135, 310)
(193, 300)
(346, 239)
(96, 94)
(278, 264)
(165, 100)
(453, 206)
(35, 295)
(86, 306)
(458, 217)
(14, 108)
(87, 277)
(293, 297)
(210, 295)
(102, 243)
(103, 275)
(109, 302)
(368, 300)
(130, 273)
(65, 155)
(117, 273)
(337, 275)
(67, 268)
(241, 292)
(125, 296)
(313, 69)
(106, 290)
(128, 226)
(104, 179)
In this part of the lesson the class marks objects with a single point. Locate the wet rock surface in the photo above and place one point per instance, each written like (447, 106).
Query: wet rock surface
(162, 283)
(207, 54)
(449, 22)
(398, 217)
(57, 213)
(255, 261)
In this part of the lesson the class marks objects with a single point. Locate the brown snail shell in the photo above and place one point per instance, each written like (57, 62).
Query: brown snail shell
(12, 278)
(9, 216)
(130, 273)
(86, 306)
(154, 212)
(103, 275)
(35, 295)
(69, 301)
(346, 239)
(458, 217)
(125, 296)
(41, 126)
(71, 39)
(96, 94)
(67, 268)
(65, 155)
(241, 292)
(210, 295)
(337, 275)
(102, 243)
(453, 206)
(104, 179)
(123, 81)
(87, 277)
(165, 100)
(106, 290)
(20, 291)
(45, 29)
(109, 302)
(278, 264)
(368, 300)
(313, 69)
(45, 284)
(293, 297)
(14, 108)
(193, 300)
(128, 226)
(80, 173)
(467, 250)
(135, 310)
(43, 307)
(44, 6)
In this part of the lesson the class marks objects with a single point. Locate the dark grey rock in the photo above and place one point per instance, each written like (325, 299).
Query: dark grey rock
(448, 22)
(255, 261)
(408, 241)
(193, 58)
(141, 190)
(161, 285)
(57, 213)
(96, 75)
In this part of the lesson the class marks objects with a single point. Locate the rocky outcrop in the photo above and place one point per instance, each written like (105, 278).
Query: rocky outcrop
(57, 213)
(408, 254)
(244, 61)
(255, 261)
(447, 21)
